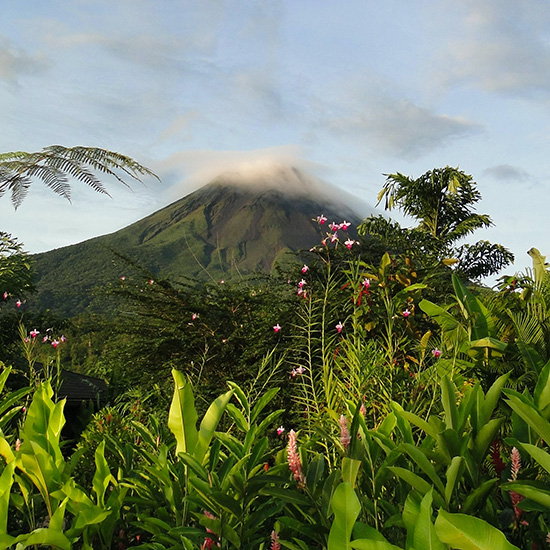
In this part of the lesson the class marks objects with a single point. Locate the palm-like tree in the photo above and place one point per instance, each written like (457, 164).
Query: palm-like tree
(442, 202)
(56, 165)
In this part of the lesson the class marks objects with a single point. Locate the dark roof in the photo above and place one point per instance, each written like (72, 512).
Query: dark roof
(77, 387)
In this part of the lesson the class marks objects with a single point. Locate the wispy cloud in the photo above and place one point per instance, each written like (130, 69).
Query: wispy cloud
(15, 62)
(501, 46)
(397, 126)
(508, 174)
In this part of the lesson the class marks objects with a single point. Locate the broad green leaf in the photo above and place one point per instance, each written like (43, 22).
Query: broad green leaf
(346, 508)
(416, 482)
(448, 399)
(424, 535)
(102, 476)
(463, 532)
(528, 412)
(209, 424)
(536, 491)
(485, 437)
(482, 323)
(454, 475)
(542, 457)
(363, 544)
(350, 469)
(491, 399)
(46, 537)
(6, 482)
(183, 416)
(478, 496)
(541, 395)
(260, 405)
(424, 464)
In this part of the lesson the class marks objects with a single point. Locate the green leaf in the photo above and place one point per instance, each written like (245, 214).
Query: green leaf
(448, 399)
(528, 412)
(465, 532)
(540, 455)
(416, 482)
(454, 475)
(424, 535)
(209, 424)
(541, 395)
(478, 496)
(46, 537)
(350, 469)
(424, 464)
(536, 491)
(6, 482)
(346, 508)
(182, 418)
(363, 544)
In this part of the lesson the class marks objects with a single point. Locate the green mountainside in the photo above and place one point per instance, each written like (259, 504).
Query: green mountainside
(220, 231)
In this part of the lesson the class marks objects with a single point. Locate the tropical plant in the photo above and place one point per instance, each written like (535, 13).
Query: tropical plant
(442, 203)
(55, 165)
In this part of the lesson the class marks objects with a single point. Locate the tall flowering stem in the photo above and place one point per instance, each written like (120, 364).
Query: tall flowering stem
(345, 437)
(294, 462)
(515, 467)
(275, 544)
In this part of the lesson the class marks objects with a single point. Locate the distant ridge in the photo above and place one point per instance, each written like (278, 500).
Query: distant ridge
(225, 229)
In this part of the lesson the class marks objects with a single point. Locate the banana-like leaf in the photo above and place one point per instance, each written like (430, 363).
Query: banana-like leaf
(454, 474)
(346, 508)
(209, 424)
(182, 418)
(482, 324)
(524, 408)
(424, 535)
(535, 491)
(6, 481)
(463, 532)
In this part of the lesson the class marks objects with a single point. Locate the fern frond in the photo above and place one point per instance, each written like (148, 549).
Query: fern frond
(56, 165)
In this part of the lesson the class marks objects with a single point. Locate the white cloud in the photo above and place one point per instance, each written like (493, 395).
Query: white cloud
(501, 46)
(397, 126)
(15, 62)
(509, 174)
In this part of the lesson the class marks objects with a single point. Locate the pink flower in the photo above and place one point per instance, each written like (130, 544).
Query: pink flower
(194, 316)
(300, 370)
(275, 544)
(436, 352)
(363, 410)
(277, 327)
(222, 282)
(294, 462)
(516, 464)
(151, 281)
(345, 437)
(321, 219)
(333, 226)
(63, 339)
(18, 303)
(302, 283)
(349, 243)
(339, 326)
(45, 339)
(55, 343)
(366, 283)
(280, 430)
(406, 313)
(34, 333)
(6, 295)
(333, 237)
(344, 225)
(305, 268)
(123, 278)
(17, 444)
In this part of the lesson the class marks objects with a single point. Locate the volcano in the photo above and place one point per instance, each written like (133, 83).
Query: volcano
(232, 227)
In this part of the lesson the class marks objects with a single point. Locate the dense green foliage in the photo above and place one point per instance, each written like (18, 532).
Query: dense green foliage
(346, 403)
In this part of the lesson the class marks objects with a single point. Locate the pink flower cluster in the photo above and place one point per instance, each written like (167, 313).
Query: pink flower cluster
(334, 227)
(46, 338)
(345, 438)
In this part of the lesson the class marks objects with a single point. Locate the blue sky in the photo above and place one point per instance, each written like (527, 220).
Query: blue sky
(347, 91)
